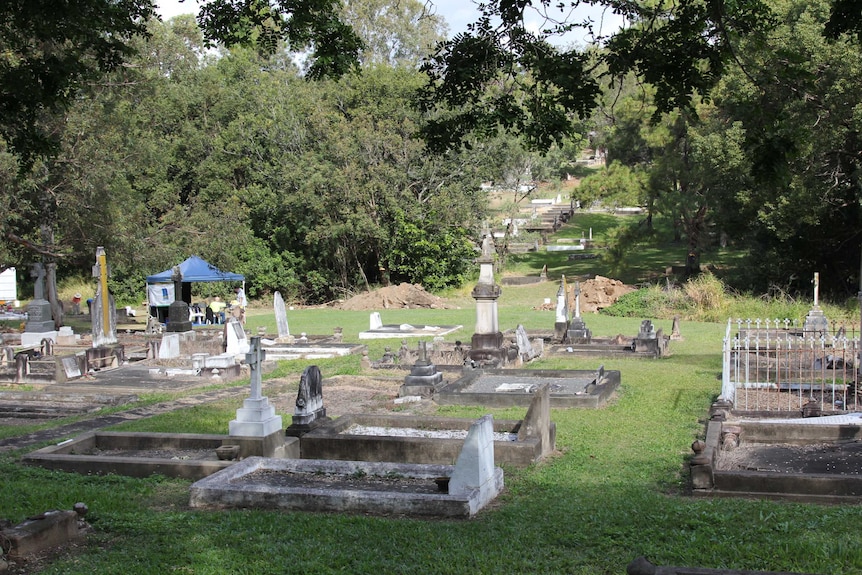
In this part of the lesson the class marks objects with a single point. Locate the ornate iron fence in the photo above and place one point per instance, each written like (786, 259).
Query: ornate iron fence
(775, 365)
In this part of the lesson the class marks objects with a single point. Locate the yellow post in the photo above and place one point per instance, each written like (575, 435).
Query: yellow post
(106, 300)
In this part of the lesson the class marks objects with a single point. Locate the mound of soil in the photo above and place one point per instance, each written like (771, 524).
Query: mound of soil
(601, 292)
(596, 294)
(393, 297)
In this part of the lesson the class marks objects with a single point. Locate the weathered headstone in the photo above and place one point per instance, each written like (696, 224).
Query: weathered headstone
(474, 468)
(525, 347)
(374, 320)
(309, 412)
(178, 311)
(103, 312)
(170, 347)
(281, 319)
(256, 418)
(40, 322)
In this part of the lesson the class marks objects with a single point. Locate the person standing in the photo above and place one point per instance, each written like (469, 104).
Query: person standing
(241, 303)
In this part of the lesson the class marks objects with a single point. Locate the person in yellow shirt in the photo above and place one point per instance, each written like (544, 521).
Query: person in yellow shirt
(217, 305)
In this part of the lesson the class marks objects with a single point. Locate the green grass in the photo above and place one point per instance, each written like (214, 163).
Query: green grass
(615, 491)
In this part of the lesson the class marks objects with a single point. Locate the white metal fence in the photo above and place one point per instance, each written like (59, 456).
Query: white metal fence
(773, 365)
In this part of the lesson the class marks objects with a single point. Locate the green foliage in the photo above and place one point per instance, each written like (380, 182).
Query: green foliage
(51, 51)
(432, 257)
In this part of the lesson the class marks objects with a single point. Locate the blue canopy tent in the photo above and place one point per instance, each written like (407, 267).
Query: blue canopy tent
(160, 287)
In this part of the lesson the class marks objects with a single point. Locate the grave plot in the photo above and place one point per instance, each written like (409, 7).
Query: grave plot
(423, 490)
(515, 387)
(815, 459)
(424, 439)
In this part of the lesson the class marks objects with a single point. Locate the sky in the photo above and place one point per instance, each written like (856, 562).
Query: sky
(457, 13)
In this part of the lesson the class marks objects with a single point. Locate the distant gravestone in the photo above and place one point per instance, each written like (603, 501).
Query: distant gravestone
(374, 320)
(39, 318)
(525, 347)
(281, 318)
(178, 311)
(236, 342)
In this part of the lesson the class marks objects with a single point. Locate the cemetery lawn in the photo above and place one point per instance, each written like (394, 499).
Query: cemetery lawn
(616, 490)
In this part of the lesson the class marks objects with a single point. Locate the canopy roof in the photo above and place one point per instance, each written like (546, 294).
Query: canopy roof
(195, 269)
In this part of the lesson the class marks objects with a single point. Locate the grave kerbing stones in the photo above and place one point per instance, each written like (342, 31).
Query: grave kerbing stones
(310, 411)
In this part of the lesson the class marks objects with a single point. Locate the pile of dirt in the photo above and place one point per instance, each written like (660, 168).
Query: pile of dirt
(393, 297)
(601, 292)
(596, 294)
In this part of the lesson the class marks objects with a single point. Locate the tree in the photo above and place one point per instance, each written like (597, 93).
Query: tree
(500, 75)
(48, 52)
(399, 32)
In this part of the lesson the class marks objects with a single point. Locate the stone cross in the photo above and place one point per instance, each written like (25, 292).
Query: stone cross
(38, 272)
(254, 359)
(177, 278)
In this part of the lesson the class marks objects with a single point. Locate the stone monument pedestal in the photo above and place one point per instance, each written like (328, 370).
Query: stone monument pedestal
(815, 321)
(178, 317)
(561, 328)
(256, 418)
(424, 377)
(578, 332)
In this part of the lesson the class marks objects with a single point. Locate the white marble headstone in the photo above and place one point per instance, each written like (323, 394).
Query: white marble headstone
(280, 315)
(375, 321)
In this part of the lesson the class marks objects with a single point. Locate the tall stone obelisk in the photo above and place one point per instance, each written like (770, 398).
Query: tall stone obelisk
(487, 343)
